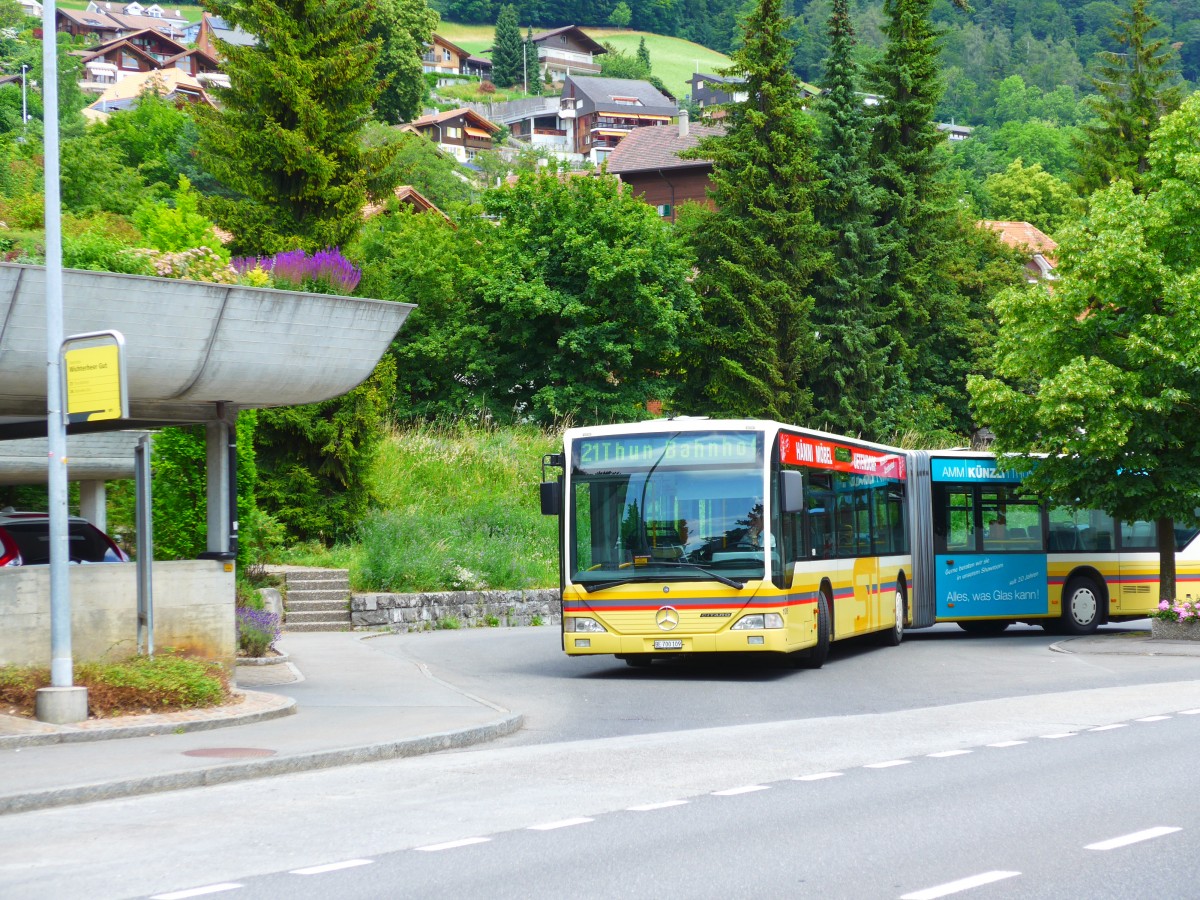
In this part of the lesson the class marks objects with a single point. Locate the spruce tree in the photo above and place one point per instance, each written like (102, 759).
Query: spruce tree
(287, 136)
(532, 72)
(933, 332)
(1136, 87)
(643, 55)
(848, 390)
(506, 51)
(759, 250)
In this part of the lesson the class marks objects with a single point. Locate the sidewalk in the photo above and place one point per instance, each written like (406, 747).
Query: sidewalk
(336, 700)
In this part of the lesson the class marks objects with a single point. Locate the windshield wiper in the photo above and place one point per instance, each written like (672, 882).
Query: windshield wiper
(604, 585)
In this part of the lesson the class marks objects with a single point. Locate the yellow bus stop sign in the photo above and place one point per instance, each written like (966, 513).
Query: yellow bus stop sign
(94, 373)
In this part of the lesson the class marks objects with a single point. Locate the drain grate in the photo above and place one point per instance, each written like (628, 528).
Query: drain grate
(230, 752)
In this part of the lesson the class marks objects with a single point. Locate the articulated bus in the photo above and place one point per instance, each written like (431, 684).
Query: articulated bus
(689, 535)
(986, 554)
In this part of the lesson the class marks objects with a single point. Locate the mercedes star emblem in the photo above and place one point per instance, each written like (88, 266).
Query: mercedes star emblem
(667, 617)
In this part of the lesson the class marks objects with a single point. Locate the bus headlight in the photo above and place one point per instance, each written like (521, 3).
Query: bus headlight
(582, 623)
(758, 622)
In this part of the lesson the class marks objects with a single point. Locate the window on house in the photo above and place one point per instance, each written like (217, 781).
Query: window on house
(446, 56)
(128, 61)
(627, 101)
(453, 132)
(664, 210)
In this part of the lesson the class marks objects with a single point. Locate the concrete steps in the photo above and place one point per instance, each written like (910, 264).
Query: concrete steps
(316, 599)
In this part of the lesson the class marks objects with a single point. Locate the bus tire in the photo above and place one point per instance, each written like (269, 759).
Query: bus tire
(894, 635)
(814, 657)
(984, 626)
(1080, 606)
(638, 660)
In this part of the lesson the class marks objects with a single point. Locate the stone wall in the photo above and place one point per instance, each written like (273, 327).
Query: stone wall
(193, 611)
(421, 612)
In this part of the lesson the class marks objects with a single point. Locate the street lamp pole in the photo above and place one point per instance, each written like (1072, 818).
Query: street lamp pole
(24, 113)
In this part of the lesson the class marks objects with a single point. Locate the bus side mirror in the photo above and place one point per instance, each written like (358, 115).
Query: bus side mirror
(551, 497)
(791, 493)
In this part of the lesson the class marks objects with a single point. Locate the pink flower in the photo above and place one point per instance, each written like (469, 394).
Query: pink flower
(1164, 604)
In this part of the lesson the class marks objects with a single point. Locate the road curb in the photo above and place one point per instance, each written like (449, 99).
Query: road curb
(273, 707)
(259, 768)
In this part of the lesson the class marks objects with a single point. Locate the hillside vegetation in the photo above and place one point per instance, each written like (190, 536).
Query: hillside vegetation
(457, 509)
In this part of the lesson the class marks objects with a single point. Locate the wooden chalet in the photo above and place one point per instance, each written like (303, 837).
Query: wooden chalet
(461, 132)
(648, 161)
(567, 51)
(604, 110)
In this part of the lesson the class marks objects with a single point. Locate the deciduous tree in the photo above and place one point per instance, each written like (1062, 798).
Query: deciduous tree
(1102, 374)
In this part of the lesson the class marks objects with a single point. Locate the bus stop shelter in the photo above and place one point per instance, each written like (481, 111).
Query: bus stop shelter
(195, 353)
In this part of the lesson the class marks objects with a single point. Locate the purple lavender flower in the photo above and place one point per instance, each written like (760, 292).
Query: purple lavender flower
(326, 271)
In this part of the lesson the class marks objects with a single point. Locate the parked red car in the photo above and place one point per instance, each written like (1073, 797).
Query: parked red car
(25, 540)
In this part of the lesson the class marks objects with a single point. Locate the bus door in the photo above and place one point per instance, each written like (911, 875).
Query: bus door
(1139, 569)
(989, 561)
(864, 565)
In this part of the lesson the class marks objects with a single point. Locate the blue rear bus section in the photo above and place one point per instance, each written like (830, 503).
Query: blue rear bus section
(987, 585)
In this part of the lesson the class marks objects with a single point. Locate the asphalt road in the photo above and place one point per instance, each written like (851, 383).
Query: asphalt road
(949, 761)
(572, 698)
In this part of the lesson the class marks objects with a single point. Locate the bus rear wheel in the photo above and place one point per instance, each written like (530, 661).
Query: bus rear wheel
(894, 635)
(984, 626)
(1081, 607)
(814, 657)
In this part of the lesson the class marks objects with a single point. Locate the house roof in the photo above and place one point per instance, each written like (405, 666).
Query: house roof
(719, 79)
(438, 39)
(438, 118)
(166, 82)
(598, 93)
(574, 31)
(1023, 236)
(179, 46)
(651, 149)
(410, 196)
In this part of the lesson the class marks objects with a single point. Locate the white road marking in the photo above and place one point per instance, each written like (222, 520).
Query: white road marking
(650, 807)
(451, 845)
(888, 764)
(1153, 719)
(947, 753)
(565, 823)
(819, 776)
(1109, 727)
(1054, 737)
(1190, 712)
(1008, 743)
(332, 867)
(748, 789)
(963, 884)
(198, 892)
(1136, 837)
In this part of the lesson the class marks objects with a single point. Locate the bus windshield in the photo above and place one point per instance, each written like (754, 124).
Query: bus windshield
(667, 507)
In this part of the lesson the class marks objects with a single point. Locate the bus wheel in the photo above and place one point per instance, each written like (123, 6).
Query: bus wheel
(894, 635)
(1081, 607)
(638, 660)
(984, 626)
(814, 657)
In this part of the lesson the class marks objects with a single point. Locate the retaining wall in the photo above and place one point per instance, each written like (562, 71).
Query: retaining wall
(193, 611)
(420, 612)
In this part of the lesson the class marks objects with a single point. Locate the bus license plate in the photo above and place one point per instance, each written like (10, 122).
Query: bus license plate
(668, 645)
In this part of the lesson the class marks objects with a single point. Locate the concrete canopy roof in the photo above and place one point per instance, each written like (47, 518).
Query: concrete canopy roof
(192, 349)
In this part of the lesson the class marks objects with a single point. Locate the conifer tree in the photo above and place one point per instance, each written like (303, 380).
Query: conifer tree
(287, 136)
(532, 72)
(643, 54)
(506, 51)
(1133, 91)
(849, 388)
(934, 331)
(759, 250)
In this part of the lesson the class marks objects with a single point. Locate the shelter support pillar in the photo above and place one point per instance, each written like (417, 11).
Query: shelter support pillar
(92, 496)
(220, 438)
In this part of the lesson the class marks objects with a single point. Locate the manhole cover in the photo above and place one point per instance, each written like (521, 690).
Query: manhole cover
(230, 752)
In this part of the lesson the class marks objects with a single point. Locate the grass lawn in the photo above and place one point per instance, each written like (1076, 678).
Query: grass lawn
(672, 59)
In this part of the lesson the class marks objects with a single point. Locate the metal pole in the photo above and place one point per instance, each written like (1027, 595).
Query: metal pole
(24, 113)
(61, 664)
(145, 547)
